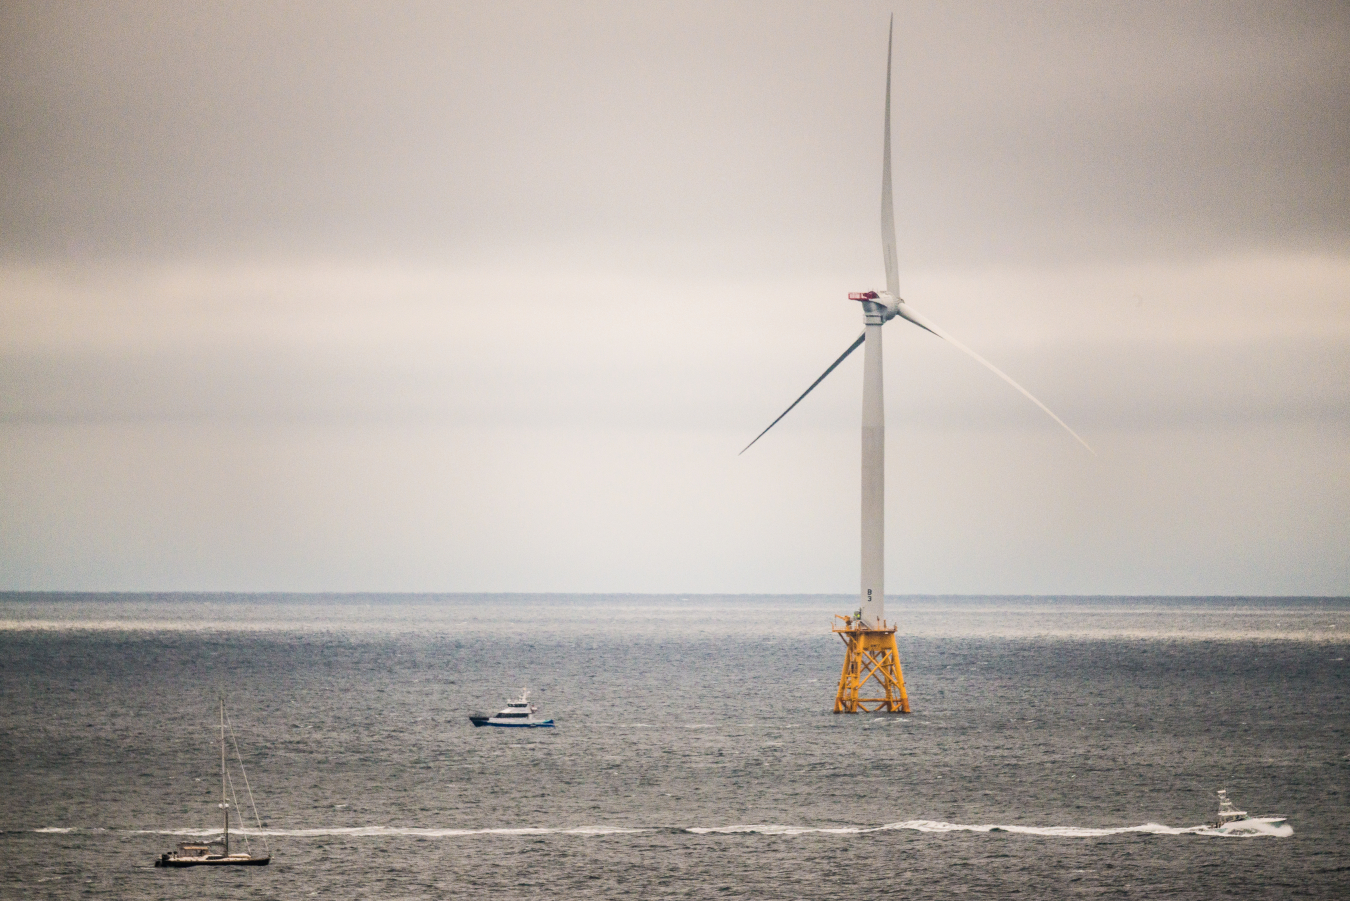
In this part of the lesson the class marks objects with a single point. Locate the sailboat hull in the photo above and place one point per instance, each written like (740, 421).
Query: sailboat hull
(234, 860)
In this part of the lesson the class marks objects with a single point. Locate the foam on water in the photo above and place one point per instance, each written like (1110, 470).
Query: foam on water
(382, 831)
(1245, 828)
(774, 829)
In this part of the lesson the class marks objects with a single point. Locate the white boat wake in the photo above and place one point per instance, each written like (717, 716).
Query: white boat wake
(1250, 827)
(416, 832)
(1255, 826)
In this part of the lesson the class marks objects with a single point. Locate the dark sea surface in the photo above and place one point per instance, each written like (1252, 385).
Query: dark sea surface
(1059, 748)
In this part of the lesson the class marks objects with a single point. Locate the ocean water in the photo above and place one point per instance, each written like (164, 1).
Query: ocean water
(1059, 748)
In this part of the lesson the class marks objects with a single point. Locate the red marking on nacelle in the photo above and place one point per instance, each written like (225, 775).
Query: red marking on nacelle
(865, 295)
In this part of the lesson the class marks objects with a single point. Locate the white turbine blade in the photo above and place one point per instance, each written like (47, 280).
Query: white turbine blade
(905, 312)
(887, 202)
(843, 356)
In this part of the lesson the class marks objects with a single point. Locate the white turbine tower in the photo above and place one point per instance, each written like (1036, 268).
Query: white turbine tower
(872, 652)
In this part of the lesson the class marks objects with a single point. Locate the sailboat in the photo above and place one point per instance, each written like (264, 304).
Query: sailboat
(217, 853)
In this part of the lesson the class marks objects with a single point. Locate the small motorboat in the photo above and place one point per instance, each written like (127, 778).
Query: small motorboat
(518, 713)
(1232, 819)
(217, 853)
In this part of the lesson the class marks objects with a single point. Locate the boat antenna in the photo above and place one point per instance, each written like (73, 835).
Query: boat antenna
(243, 772)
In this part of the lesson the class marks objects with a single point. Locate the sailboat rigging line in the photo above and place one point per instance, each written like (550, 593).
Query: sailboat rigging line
(243, 772)
(235, 801)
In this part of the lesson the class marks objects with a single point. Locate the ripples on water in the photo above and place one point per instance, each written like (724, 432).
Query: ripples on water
(1059, 747)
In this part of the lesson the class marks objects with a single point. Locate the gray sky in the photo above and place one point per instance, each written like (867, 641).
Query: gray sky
(473, 297)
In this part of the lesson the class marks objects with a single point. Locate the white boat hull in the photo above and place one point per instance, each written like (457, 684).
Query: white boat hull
(510, 724)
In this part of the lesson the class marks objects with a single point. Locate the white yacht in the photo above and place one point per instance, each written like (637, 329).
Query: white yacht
(518, 713)
(1233, 819)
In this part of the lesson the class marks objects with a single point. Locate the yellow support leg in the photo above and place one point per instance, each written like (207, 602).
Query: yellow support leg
(871, 657)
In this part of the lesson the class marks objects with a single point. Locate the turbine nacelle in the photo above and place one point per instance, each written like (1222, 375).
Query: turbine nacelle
(879, 303)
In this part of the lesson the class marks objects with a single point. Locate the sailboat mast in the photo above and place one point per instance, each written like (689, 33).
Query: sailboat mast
(224, 794)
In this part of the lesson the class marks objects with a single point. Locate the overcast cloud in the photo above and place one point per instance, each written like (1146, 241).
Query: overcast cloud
(462, 297)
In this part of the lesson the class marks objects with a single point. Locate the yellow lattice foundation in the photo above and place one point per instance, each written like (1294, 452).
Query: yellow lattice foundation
(872, 665)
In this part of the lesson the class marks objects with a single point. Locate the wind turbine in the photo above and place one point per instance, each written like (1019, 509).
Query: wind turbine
(872, 653)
